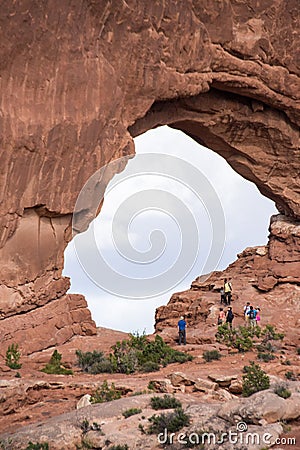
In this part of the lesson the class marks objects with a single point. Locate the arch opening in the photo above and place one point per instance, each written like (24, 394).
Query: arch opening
(247, 214)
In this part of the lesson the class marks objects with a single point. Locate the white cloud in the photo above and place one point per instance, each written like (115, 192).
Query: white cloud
(247, 215)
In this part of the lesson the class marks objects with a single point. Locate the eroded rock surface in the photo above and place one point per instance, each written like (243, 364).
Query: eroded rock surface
(75, 78)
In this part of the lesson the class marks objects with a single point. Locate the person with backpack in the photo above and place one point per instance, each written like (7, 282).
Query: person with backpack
(252, 315)
(227, 291)
(229, 317)
(182, 330)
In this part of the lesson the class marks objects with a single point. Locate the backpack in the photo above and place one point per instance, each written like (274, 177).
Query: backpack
(230, 315)
(251, 315)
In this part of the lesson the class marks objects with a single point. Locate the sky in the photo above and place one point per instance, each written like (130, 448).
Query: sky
(178, 210)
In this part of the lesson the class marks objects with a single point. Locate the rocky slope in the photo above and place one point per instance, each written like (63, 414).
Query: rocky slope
(266, 276)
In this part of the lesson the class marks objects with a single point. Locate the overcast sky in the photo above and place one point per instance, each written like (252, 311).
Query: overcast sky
(247, 215)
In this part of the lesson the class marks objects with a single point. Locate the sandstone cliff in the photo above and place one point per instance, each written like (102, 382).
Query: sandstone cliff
(79, 80)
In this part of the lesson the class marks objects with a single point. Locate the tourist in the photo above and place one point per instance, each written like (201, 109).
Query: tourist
(257, 317)
(182, 330)
(227, 291)
(246, 309)
(229, 317)
(221, 317)
(252, 314)
(222, 295)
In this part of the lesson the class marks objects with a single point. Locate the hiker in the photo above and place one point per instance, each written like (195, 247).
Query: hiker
(227, 291)
(222, 292)
(246, 309)
(252, 315)
(181, 330)
(221, 317)
(257, 318)
(229, 317)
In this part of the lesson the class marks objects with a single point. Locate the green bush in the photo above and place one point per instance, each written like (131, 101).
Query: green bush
(131, 412)
(55, 366)
(172, 422)
(211, 355)
(105, 393)
(119, 447)
(131, 355)
(265, 357)
(136, 354)
(270, 333)
(150, 366)
(282, 391)
(165, 402)
(93, 362)
(37, 446)
(265, 346)
(286, 363)
(254, 380)
(239, 338)
(290, 375)
(13, 356)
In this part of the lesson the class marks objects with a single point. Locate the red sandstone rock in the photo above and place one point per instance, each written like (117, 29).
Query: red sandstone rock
(75, 78)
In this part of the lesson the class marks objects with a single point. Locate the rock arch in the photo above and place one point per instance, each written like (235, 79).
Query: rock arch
(79, 81)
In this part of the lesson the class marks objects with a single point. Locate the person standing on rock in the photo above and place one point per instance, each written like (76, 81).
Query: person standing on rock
(221, 317)
(222, 295)
(227, 291)
(182, 330)
(229, 317)
(257, 318)
(252, 316)
(246, 309)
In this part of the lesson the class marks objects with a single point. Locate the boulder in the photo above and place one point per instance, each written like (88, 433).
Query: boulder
(179, 378)
(204, 385)
(84, 401)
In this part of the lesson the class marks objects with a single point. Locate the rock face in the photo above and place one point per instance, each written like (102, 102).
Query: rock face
(79, 81)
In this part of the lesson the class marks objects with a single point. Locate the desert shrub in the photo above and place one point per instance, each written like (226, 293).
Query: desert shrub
(269, 333)
(265, 346)
(119, 447)
(93, 362)
(265, 357)
(131, 412)
(151, 385)
(37, 446)
(254, 380)
(150, 366)
(18, 375)
(286, 363)
(131, 355)
(172, 422)
(165, 402)
(290, 375)
(211, 355)
(55, 366)
(282, 391)
(239, 338)
(105, 393)
(135, 354)
(13, 356)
